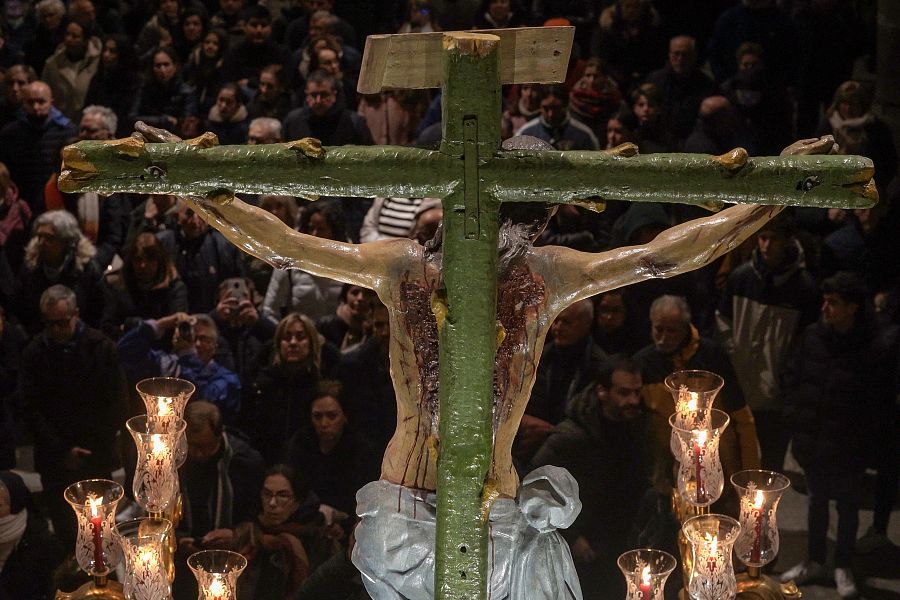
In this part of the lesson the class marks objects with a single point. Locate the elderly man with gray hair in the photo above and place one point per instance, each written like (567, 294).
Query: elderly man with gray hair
(98, 123)
(264, 130)
(73, 392)
(678, 345)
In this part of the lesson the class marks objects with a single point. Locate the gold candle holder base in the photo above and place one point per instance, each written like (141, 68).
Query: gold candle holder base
(753, 585)
(101, 588)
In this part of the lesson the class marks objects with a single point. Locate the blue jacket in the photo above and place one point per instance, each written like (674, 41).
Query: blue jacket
(571, 135)
(214, 382)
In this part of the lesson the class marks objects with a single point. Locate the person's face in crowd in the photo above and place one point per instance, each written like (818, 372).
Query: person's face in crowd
(202, 444)
(357, 301)
(611, 312)
(645, 110)
(268, 85)
(52, 248)
(617, 133)
(328, 419)
(211, 45)
(231, 7)
(259, 134)
(850, 110)
(530, 96)
(280, 209)
(14, 13)
(668, 329)
(622, 401)
(257, 31)
(318, 26)
(145, 265)
(50, 19)
(320, 97)
(681, 55)
(278, 500)
(572, 326)
(92, 128)
(320, 227)
(419, 16)
(553, 110)
(60, 321)
(204, 342)
(381, 326)
(772, 247)
(426, 224)
(499, 10)
(329, 61)
(83, 10)
(164, 68)
(749, 61)
(110, 53)
(295, 344)
(169, 8)
(631, 10)
(590, 79)
(837, 312)
(227, 103)
(190, 223)
(192, 28)
(16, 80)
(74, 40)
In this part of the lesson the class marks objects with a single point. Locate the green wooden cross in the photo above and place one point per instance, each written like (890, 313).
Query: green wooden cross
(473, 177)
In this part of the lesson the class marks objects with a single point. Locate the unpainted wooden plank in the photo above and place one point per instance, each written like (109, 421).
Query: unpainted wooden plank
(413, 60)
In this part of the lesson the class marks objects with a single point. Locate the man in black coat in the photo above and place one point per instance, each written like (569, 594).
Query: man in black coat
(604, 444)
(833, 384)
(256, 50)
(73, 391)
(30, 145)
(324, 118)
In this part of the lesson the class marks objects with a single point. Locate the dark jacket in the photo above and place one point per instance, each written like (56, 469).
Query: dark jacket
(561, 374)
(681, 98)
(155, 102)
(337, 128)
(335, 477)
(122, 302)
(610, 461)
(74, 395)
(30, 150)
(832, 386)
(277, 406)
(236, 476)
(371, 404)
(760, 315)
(202, 263)
(117, 89)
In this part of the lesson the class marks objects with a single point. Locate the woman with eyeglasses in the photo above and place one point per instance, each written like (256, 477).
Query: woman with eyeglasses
(277, 402)
(287, 540)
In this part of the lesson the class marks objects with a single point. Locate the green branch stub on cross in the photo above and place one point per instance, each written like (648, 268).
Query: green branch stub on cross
(472, 177)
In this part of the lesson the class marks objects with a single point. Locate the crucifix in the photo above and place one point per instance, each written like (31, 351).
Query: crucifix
(468, 322)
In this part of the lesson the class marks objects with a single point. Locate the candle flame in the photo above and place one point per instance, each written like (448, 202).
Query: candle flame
(147, 557)
(94, 502)
(692, 403)
(701, 437)
(159, 447)
(760, 498)
(164, 407)
(217, 587)
(645, 575)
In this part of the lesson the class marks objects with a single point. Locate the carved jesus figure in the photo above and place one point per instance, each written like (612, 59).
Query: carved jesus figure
(534, 284)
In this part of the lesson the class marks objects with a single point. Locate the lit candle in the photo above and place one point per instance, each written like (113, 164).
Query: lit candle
(164, 407)
(699, 449)
(757, 527)
(713, 556)
(146, 560)
(96, 526)
(158, 449)
(646, 589)
(217, 588)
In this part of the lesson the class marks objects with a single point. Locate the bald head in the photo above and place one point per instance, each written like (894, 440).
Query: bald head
(573, 325)
(682, 54)
(37, 99)
(714, 104)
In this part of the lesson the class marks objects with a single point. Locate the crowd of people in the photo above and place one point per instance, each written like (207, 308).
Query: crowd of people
(294, 403)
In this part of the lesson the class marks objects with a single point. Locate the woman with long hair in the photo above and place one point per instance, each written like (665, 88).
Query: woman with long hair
(117, 80)
(203, 69)
(165, 99)
(147, 286)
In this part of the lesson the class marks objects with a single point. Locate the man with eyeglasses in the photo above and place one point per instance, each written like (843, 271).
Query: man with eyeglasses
(324, 118)
(603, 443)
(73, 392)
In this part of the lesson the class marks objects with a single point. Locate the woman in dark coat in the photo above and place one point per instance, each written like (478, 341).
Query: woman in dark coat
(165, 99)
(116, 82)
(146, 287)
(203, 69)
